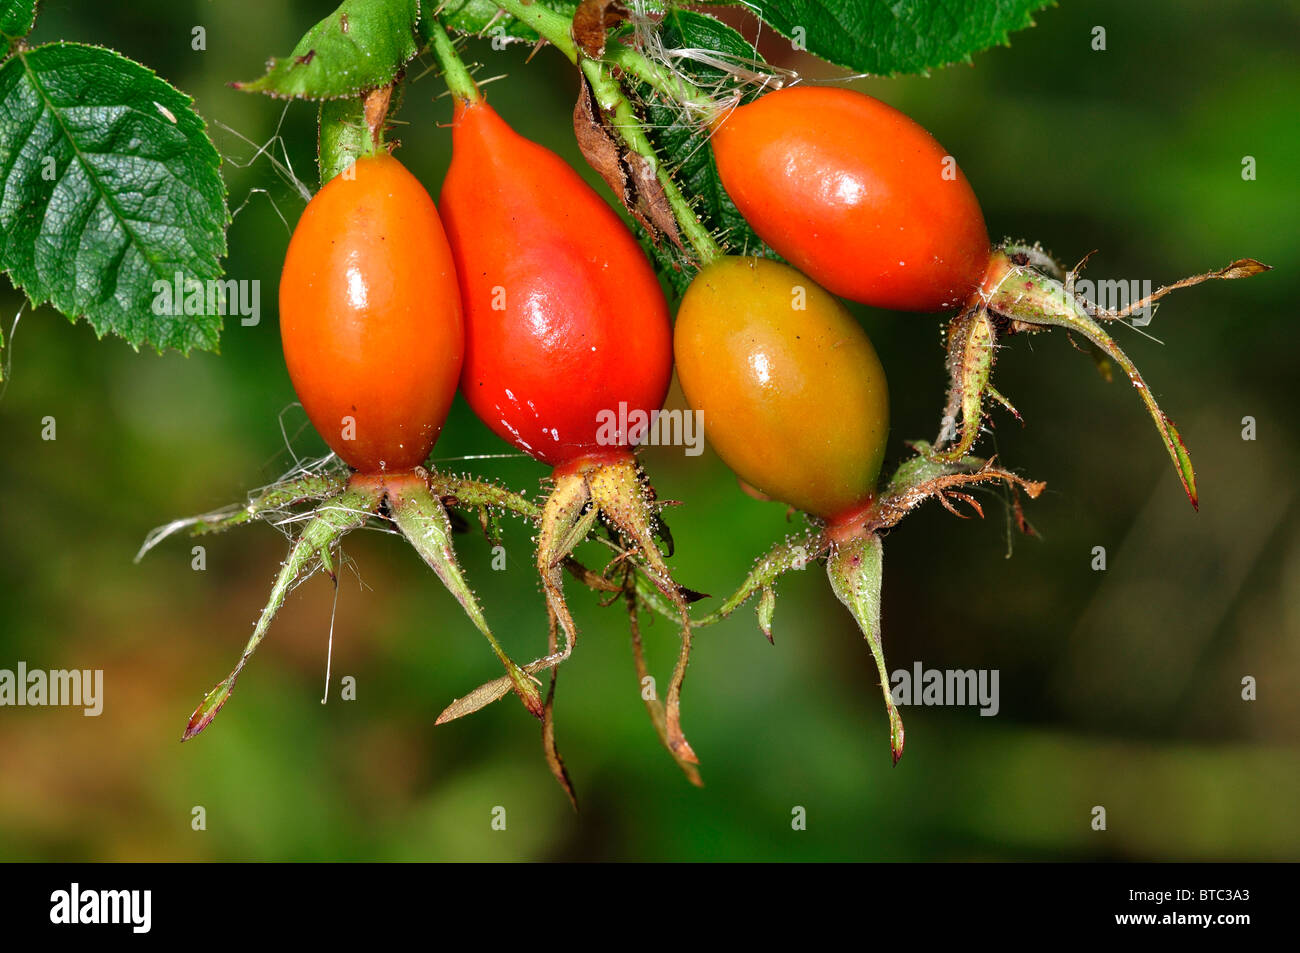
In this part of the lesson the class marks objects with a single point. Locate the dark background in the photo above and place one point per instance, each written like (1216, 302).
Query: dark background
(1119, 688)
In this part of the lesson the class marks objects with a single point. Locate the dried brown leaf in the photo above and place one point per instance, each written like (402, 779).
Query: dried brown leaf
(598, 145)
(629, 175)
(376, 111)
(655, 214)
(592, 21)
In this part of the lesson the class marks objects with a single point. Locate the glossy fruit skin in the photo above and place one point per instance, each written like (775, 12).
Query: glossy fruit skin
(853, 193)
(794, 401)
(564, 316)
(370, 316)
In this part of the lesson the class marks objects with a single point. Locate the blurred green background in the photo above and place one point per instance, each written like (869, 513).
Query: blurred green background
(1118, 688)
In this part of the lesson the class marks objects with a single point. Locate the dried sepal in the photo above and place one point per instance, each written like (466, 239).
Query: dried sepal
(923, 478)
(654, 707)
(554, 760)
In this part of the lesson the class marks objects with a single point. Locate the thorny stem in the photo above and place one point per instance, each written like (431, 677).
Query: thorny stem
(784, 557)
(675, 87)
(557, 29)
(464, 491)
(553, 27)
(300, 490)
(454, 73)
(609, 96)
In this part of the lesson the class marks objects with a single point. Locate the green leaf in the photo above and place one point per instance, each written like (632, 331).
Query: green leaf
(16, 18)
(108, 185)
(903, 36)
(485, 18)
(361, 45)
(684, 145)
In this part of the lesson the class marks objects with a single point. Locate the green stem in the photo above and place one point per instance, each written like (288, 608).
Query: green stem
(782, 558)
(672, 86)
(650, 596)
(475, 493)
(454, 73)
(557, 29)
(609, 97)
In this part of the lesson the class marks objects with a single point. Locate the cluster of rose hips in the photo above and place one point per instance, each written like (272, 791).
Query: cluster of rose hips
(525, 290)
